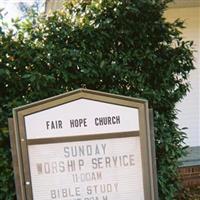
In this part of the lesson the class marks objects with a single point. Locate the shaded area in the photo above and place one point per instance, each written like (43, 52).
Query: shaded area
(190, 173)
(192, 158)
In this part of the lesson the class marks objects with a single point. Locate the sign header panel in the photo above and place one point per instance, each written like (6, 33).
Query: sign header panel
(81, 117)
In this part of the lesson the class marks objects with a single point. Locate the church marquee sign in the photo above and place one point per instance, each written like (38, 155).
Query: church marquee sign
(83, 145)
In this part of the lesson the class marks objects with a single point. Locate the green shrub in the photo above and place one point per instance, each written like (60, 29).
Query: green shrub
(119, 46)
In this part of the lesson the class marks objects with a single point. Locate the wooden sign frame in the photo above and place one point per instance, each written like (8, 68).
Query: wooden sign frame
(19, 142)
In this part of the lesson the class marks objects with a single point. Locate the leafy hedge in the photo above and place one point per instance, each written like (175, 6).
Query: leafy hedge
(119, 46)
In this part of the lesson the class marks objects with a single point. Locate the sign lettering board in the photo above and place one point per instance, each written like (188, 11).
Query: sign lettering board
(83, 145)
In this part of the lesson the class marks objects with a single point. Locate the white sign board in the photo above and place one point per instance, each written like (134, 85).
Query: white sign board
(84, 145)
(99, 169)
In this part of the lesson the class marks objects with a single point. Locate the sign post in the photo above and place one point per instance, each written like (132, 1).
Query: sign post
(83, 145)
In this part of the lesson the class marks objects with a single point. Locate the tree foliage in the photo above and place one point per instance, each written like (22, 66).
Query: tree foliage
(119, 46)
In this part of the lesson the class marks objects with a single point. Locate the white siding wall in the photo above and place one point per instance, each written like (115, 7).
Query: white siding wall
(190, 106)
(52, 5)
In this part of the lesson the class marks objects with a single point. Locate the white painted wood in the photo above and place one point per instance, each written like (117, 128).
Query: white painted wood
(189, 115)
(94, 117)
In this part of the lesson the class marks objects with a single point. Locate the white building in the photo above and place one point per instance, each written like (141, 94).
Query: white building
(188, 10)
(189, 116)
